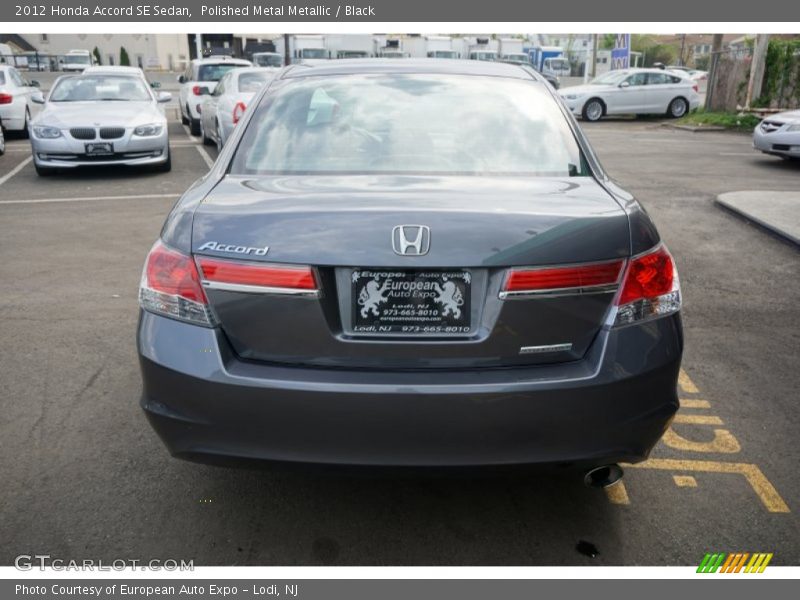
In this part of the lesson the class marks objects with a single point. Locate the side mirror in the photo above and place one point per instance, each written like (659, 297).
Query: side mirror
(35, 83)
(181, 79)
(624, 84)
(162, 97)
(37, 98)
(155, 85)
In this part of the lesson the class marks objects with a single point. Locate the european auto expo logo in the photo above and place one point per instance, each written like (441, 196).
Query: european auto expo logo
(736, 562)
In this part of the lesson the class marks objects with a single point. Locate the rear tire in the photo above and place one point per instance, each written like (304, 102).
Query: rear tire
(677, 108)
(219, 138)
(25, 124)
(207, 141)
(2, 141)
(593, 110)
(194, 126)
(184, 118)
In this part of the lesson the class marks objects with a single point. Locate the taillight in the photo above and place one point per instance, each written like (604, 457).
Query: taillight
(650, 287)
(238, 112)
(171, 286)
(696, 88)
(548, 280)
(198, 90)
(257, 277)
(6, 98)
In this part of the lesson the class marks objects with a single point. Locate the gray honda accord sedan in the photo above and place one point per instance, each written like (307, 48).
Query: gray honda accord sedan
(409, 263)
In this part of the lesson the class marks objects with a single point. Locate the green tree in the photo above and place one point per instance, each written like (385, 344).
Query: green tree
(124, 59)
(97, 58)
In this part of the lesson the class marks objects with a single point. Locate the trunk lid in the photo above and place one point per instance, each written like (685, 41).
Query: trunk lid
(344, 224)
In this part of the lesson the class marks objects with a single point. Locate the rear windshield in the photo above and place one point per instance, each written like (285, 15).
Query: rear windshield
(209, 72)
(409, 123)
(252, 82)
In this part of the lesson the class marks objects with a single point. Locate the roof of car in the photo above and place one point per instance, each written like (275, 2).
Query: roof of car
(220, 59)
(352, 66)
(117, 70)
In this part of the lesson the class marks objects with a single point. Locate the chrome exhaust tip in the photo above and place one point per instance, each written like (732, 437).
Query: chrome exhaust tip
(604, 476)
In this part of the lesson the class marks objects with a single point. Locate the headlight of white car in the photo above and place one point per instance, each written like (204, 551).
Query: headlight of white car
(149, 130)
(46, 133)
(794, 127)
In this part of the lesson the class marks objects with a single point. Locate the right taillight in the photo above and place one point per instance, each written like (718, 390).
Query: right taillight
(171, 287)
(650, 288)
(6, 98)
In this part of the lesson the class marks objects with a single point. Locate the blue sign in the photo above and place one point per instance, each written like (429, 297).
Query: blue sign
(621, 53)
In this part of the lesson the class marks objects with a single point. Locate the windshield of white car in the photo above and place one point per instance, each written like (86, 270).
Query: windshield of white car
(268, 60)
(100, 88)
(214, 72)
(610, 78)
(252, 82)
(409, 124)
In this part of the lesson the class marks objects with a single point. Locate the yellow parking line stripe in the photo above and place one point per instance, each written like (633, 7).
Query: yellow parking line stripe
(684, 480)
(697, 419)
(723, 442)
(765, 563)
(617, 494)
(761, 486)
(686, 383)
(692, 403)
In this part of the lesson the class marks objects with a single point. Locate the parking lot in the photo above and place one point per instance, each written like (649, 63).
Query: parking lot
(85, 476)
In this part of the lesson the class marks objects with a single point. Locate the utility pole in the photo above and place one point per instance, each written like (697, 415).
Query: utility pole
(757, 69)
(594, 55)
(683, 45)
(198, 44)
(286, 57)
(716, 50)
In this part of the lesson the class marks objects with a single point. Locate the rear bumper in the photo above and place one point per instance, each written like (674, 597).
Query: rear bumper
(613, 406)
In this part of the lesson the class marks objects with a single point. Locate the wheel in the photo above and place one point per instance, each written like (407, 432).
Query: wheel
(207, 141)
(2, 142)
(677, 108)
(25, 124)
(194, 126)
(167, 166)
(219, 138)
(43, 171)
(593, 110)
(184, 118)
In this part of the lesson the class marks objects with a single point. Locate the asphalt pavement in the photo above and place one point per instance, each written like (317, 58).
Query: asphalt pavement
(84, 476)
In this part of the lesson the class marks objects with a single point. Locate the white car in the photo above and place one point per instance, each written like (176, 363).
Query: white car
(779, 135)
(225, 106)
(17, 95)
(199, 80)
(633, 91)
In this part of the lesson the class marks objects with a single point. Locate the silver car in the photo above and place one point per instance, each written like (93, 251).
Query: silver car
(101, 119)
(225, 106)
(779, 135)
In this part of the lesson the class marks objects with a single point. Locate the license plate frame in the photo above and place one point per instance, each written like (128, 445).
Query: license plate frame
(411, 302)
(99, 149)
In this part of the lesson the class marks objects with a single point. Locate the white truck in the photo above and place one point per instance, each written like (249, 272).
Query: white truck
(484, 49)
(350, 45)
(77, 61)
(440, 46)
(305, 47)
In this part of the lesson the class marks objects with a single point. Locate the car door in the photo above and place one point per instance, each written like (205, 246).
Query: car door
(211, 105)
(632, 95)
(661, 89)
(22, 91)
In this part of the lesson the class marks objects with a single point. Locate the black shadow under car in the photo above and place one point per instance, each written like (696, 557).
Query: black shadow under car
(409, 263)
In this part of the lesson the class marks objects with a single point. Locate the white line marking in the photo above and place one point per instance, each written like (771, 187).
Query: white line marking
(15, 170)
(206, 156)
(189, 133)
(90, 199)
(754, 153)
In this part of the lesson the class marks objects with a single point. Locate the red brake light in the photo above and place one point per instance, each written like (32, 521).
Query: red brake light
(554, 278)
(238, 112)
(648, 276)
(170, 272)
(258, 275)
(6, 98)
(696, 88)
(197, 90)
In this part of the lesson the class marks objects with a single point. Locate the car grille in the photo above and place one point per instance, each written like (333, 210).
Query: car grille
(111, 133)
(770, 126)
(82, 133)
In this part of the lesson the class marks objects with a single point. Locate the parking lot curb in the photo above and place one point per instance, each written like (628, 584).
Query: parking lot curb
(694, 128)
(778, 212)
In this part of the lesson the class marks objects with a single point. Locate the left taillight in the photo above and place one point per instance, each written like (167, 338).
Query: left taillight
(170, 286)
(238, 112)
(650, 287)
(696, 88)
(6, 98)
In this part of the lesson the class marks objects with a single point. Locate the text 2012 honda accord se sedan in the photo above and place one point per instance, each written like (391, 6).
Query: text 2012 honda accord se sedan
(418, 264)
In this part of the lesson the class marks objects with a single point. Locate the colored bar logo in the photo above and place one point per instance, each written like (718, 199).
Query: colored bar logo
(735, 562)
